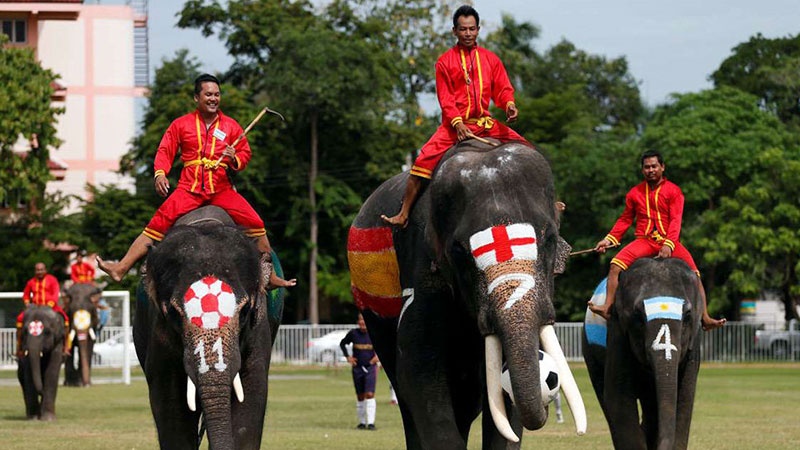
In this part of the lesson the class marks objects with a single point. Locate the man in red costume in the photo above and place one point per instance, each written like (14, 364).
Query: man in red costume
(81, 271)
(202, 137)
(656, 204)
(467, 77)
(42, 289)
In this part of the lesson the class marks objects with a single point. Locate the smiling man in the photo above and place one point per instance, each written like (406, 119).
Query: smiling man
(656, 204)
(468, 76)
(201, 136)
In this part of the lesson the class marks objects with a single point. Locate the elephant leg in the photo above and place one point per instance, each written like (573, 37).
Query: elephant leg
(50, 385)
(687, 384)
(176, 424)
(492, 439)
(247, 418)
(28, 391)
(422, 372)
(621, 377)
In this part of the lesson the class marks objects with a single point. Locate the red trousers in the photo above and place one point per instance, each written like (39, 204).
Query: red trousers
(446, 136)
(182, 201)
(644, 247)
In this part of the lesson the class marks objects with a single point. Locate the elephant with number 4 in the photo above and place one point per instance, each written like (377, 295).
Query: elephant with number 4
(648, 354)
(203, 334)
(80, 304)
(466, 285)
(42, 354)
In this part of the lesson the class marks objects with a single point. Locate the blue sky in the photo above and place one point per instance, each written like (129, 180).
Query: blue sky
(671, 46)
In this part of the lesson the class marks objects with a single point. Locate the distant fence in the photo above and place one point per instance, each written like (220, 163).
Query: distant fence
(306, 344)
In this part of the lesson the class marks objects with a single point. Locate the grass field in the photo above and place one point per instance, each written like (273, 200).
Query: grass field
(737, 407)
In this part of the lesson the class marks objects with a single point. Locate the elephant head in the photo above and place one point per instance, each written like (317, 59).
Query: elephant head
(80, 302)
(495, 230)
(42, 344)
(204, 282)
(650, 349)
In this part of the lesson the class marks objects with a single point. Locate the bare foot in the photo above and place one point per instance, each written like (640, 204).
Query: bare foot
(400, 220)
(710, 323)
(601, 310)
(277, 282)
(112, 269)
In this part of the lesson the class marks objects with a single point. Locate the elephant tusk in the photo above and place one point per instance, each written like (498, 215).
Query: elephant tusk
(550, 344)
(494, 365)
(41, 354)
(26, 353)
(72, 335)
(237, 387)
(191, 394)
(92, 335)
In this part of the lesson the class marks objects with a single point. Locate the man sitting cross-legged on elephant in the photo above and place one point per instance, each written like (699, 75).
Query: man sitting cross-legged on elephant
(42, 289)
(467, 77)
(657, 206)
(202, 137)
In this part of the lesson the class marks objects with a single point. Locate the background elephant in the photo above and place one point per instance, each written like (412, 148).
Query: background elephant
(80, 304)
(206, 334)
(467, 284)
(651, 351)
(38, 370)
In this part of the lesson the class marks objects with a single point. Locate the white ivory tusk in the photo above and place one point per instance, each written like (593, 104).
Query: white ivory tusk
(550, 344)
(92, 335)
(237, 387)
(494, 391)
(191, 393)
(72, 335)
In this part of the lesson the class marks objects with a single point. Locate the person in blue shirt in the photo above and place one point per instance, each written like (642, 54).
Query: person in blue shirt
(365, 372)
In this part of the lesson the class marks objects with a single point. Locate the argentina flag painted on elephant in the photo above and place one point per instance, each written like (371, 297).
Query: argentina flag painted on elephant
(663, 308)
(595, 326)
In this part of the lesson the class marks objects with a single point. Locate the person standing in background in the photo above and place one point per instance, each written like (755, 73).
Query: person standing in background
(365, 372)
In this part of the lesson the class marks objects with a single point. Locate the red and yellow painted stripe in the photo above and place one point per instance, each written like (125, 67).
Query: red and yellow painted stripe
(374, 272)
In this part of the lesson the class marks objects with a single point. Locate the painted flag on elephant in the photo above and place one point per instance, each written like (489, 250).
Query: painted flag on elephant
(663, 308)
(374, 272)
(595, 325)
(503, 243)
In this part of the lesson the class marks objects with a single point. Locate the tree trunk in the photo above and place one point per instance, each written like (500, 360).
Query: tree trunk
(313, 300)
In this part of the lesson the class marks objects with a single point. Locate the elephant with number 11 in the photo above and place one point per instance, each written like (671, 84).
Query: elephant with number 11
(466, 285)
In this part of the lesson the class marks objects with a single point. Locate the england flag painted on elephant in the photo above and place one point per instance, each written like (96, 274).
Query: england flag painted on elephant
(506, 253)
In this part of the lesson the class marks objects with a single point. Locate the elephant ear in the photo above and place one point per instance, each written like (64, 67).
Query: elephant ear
(562, 253)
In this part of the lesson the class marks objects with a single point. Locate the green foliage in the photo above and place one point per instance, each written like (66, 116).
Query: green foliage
(25, 110)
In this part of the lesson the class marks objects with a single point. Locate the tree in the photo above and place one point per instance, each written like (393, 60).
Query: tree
(768, 69)
(26, 111)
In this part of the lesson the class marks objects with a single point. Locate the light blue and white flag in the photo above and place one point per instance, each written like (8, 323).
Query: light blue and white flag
(663, 308)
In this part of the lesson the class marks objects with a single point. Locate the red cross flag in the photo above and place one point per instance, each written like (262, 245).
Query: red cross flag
(503, 243)
(209, 302)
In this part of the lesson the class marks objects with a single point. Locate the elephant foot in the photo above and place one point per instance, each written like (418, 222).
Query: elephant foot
(710, 323)
(49, 417)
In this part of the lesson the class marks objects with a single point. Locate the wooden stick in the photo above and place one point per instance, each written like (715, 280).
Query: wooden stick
(588, 250)
(480, 139)
(247, 130)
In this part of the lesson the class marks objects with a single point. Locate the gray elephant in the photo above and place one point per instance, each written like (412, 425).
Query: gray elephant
(650, 352)
(466, 285)
(39, 366)
(80, 304)
(204, 332)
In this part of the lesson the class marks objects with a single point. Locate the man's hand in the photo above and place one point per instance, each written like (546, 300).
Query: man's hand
(511, 113)
(162, 185)
(665, 252)
(374, 360)
(352, 360)
(463, 132)
(229, 152)
(602, 246)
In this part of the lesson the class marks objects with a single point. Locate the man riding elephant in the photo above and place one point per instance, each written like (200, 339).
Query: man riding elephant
(467, 77)
(202, 137)
(656, 204)
(42, 289)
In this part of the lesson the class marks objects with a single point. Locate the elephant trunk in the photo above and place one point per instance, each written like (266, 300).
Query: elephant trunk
(35, 359)
(215, 399)
(665, 363)
(85, 358)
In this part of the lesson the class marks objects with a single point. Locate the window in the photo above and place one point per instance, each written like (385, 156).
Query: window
(16, 30)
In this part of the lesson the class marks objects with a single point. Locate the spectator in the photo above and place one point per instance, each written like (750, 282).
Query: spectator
(365, 373)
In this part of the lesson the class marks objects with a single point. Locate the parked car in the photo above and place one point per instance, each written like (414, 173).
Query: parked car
(781, 344)
(325, 349)
(110, 352)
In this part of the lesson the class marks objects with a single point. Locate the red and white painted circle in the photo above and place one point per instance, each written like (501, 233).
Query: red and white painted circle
(209, 302)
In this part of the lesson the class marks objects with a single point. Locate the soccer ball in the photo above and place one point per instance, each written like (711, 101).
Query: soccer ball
(548, 377)
(209, 303)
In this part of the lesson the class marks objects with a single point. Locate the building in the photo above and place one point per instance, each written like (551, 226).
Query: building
(99, 49)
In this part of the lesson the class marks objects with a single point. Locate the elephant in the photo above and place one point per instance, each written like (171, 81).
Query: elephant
(42, 349)
(204, 332)
(466, 284)
(649, 351)
(80, 304)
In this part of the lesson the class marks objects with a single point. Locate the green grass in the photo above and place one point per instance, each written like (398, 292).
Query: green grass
(737, 407)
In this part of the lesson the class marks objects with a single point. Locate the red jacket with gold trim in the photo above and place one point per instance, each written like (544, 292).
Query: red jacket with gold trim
(466, 79)
(658, 213)
(200, 149)
(81, 272)
(41, 292)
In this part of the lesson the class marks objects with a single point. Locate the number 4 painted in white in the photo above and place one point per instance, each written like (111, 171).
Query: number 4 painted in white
(666, 345)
